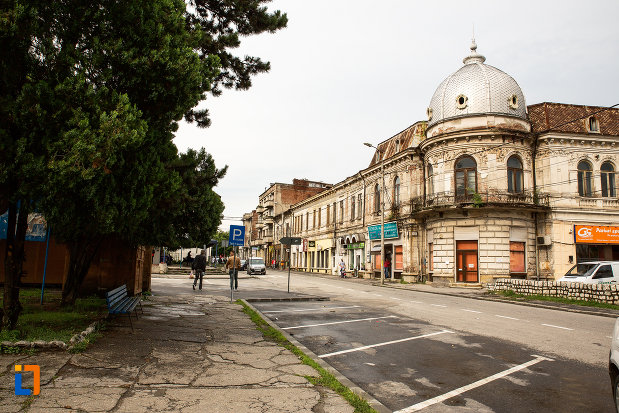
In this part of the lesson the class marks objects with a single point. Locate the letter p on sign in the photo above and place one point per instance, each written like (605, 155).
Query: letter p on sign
(237, 235)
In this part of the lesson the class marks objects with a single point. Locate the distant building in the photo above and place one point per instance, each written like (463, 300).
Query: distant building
(486, 188)
(266, 224)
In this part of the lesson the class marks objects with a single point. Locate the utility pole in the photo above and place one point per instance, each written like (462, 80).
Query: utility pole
(381, 194)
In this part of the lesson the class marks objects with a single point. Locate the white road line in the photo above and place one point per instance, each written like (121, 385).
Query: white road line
(439, 305)
(383, 344)
(378, 295)
(472, 311)
(339, 322)
(393, 298)
(563, 328)
(504, 316)
(471, 386)
(416, 302)
(308, 309)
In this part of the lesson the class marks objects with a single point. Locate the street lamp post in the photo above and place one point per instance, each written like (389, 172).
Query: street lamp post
(382, 214)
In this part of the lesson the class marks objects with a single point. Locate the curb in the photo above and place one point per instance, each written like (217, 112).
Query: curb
(54, 344)
(375, 404)
(261, 300)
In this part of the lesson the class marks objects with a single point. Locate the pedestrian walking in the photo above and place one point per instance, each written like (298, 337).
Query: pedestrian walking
(199, 266)
(233, 265)
(342, 269)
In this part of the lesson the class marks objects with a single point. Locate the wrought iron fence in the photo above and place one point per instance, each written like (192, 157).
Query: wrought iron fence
(480, 199)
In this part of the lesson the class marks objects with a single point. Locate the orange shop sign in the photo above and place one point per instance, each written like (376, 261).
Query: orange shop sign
(595, 234)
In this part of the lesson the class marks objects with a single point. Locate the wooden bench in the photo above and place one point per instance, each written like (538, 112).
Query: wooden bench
(118, 302)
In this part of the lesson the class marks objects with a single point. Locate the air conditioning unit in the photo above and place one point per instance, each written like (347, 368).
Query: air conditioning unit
(543, 240)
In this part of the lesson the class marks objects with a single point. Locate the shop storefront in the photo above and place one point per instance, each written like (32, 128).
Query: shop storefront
(324, 255)
(595, 242)
(393, 249)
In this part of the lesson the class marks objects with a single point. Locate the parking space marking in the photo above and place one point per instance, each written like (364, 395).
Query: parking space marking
(504, 316)
(339, 322)
(563, 328)
(471, 386)
(336, 353)
(309, 309)
(472, 311)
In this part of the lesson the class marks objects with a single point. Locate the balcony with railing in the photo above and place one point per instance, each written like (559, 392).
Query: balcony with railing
(267, 236)
(447, 200)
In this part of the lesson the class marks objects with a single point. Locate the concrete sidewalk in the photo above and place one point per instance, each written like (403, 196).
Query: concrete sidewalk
(188, 353)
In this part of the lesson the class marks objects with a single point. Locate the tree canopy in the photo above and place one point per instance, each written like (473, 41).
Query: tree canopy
(91, 93)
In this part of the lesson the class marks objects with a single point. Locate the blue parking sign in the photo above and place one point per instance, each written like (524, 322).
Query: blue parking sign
(237, 235)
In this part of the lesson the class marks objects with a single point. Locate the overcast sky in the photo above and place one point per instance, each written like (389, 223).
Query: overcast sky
(348, 72)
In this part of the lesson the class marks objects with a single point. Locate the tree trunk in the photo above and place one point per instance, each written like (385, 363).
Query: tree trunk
(81, 254)
(13, 263)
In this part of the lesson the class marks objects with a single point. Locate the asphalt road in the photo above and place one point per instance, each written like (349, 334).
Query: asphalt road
(415, 351)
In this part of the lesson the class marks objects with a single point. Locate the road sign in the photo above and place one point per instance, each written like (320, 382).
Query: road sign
(237, 235)
(290, 241)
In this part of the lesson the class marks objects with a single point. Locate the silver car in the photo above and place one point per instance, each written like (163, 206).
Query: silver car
(256, 265)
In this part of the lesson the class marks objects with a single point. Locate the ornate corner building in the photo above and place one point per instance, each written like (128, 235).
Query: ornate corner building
(486, 188)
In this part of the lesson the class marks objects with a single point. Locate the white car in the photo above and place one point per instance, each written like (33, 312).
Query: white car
(256, 265)
(613, 364)
(593, 272)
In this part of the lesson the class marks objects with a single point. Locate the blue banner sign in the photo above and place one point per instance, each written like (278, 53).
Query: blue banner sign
(237, 235)
(36, 231)
(391, 231)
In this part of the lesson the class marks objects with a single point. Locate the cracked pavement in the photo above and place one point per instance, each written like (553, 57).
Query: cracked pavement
(187, 354)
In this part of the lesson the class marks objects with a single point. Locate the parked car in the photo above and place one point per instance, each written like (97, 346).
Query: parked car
(613, 364)
(593, 272)
(256, 265)
(243, 265)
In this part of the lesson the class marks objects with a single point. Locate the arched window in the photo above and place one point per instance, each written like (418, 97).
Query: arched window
(593, 124)
(607, 173)
(466, 176)
(430, 180)
(377, 198)
(515, 181)
(585, 173)
(396, 191)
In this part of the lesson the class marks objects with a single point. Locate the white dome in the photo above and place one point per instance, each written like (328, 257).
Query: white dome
(476, 89)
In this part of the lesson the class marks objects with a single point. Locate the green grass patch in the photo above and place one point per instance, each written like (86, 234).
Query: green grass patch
(49, 321)
(324, 378)
(513, 295)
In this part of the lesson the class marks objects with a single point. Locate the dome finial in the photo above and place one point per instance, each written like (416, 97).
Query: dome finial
(473, 44)
(474, 57)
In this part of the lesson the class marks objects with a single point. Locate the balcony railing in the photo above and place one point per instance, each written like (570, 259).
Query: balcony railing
(493, 198)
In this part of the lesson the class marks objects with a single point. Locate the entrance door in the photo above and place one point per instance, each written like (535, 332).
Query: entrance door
(466, 261)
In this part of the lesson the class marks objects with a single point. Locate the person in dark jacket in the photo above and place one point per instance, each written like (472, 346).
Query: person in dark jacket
(199, 266)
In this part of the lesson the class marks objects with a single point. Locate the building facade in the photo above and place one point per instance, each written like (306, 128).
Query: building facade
(486, 188)
(267, 224)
